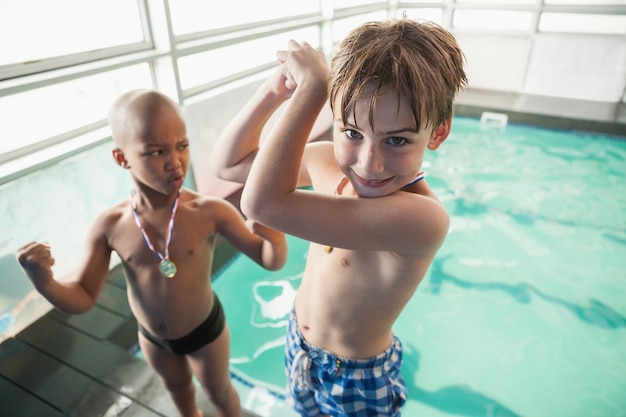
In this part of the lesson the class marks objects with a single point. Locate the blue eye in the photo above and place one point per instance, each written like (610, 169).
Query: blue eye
(397, 141)
(353, 134)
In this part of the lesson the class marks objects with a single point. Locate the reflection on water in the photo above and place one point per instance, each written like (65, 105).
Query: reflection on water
(273, 302)
(596, 313)
(459, 400)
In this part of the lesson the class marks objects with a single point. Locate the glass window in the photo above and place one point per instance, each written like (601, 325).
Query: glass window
(343, 4)
(38, 29)
(43, 113)
(582, 23)
(341, 27)
(492, 19)
(219, 63)
(499, 1)
(587, 2)
(190, 16)
(431, 14)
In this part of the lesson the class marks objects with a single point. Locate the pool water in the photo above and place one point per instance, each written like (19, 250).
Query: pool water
(523, 312)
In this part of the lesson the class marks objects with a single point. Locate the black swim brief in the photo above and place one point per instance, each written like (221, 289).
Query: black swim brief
(201, 336)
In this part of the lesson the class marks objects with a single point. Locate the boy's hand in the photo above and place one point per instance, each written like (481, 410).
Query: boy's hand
(279, 84)
(301, 62)
(36, 259)
(274, 248)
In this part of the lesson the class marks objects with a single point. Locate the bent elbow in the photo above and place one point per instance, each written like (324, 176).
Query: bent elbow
(278, 263)
(263, 206)
(244, 204)
(79, 311)
(217, 168)
(76, 309)
(250, 206)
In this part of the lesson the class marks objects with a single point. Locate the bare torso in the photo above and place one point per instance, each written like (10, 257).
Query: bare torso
(363, 294)
(167, 307)
(349, 300)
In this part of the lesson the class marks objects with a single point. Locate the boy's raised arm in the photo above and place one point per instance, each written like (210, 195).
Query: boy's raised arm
(265, 246)
(236, 148)
(275, 174)
(73, 296)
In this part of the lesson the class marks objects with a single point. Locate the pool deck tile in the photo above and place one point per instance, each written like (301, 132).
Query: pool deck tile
(82, 365)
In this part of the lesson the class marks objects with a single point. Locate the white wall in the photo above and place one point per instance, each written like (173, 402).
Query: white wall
(578, 67)
(584, 67)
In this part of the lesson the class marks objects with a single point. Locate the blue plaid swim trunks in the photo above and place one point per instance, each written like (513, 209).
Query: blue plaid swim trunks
(321, 383)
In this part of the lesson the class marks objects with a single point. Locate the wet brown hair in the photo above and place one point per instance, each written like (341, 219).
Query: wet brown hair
(420, 60)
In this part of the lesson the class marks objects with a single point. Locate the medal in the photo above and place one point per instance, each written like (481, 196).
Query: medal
(167, 267)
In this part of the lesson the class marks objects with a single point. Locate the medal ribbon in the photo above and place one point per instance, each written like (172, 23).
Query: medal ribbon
(170, 229)
(420, 176)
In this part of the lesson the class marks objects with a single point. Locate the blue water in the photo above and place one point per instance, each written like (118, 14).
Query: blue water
(523, 312)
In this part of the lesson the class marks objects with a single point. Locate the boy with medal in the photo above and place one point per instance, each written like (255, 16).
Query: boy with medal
(165, 236)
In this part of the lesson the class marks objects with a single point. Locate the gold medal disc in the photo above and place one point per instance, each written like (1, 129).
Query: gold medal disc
(167, 268)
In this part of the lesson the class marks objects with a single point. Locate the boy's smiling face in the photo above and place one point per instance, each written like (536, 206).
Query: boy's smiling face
(383, 156)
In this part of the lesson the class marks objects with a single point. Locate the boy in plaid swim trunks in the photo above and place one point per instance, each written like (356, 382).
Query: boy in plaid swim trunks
(373, 223)
(321, 383)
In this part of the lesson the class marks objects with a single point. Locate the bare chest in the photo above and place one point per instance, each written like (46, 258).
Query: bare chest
(367, 276)
(184, 244)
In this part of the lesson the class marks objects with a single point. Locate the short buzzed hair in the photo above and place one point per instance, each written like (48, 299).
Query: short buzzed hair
(135, 109)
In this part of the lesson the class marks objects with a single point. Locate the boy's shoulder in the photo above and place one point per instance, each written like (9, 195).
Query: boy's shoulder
(204, 204)
(321, 146)
(195, 199)
(115, 212)
(320, 156)
(108, 220)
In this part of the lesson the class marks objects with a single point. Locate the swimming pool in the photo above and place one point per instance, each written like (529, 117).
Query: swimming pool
(523, 312)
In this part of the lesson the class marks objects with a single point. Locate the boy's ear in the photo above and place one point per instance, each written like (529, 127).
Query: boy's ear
(440, 134)
(120, 158)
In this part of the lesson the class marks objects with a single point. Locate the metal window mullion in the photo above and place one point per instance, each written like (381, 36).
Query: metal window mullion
(55, 140)
(358, 10)
(34, 81)
(164, 69)
(8, 72)
(12, 170)
(326, 25)
(448, 8)
(255, 27)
